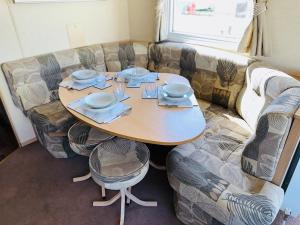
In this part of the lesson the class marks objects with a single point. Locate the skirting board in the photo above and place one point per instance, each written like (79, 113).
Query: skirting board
(30, 141)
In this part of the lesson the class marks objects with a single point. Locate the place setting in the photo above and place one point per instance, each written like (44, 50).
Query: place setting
(103, 107)
(135, 76)
(171, 94)
(82, 79)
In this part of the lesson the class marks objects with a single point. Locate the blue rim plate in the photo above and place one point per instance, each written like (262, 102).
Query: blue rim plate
(176, 99)
(99, 100)
(177, 90)
(84, 74)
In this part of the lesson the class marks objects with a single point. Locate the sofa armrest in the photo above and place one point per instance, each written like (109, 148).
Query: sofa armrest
(288, 151)
(256, 209)
(262, 152)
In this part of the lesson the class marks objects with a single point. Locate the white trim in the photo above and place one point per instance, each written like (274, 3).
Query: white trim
(226, 43)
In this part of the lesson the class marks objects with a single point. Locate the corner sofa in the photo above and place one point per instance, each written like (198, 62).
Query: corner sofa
(226, 176)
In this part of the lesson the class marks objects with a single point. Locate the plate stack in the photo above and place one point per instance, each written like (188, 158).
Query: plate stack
(84, 76)
(134, 73)
(176, 92)
(100, 102)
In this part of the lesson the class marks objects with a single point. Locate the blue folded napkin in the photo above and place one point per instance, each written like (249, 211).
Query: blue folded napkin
(106, 116)
(97, 82)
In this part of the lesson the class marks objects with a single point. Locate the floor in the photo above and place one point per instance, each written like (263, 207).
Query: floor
(37, 189)
(7, 137)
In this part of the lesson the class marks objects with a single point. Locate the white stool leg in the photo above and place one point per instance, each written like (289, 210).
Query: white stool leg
(140, 202)
(103, 194)
(122, 216)
(83, 178)
(109, 202)
(128, 199)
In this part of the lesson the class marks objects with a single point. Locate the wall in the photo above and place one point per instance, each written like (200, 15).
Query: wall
(141, 19)
(30, 29)
(284, 26)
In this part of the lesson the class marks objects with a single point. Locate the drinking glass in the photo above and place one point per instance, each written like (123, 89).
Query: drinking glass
(151, 90)
(119, 90)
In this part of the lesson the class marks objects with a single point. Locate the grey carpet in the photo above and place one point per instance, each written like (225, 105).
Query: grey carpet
(37, 189)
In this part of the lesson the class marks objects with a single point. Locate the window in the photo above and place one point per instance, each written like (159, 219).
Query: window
(217, 23)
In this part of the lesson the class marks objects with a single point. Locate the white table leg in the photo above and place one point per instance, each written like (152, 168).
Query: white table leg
(128, 199)
(83, 178)
(109, 202)
(140, 202)
(122, 216)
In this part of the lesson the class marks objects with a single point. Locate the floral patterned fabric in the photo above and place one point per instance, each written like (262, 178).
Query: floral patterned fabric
(262, 153)
(216, 76)
(208, 179)
(267, 103)
(34, 81)
(119, 56)
(51, 123)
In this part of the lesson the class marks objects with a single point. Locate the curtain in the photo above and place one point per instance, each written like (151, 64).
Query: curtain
(257, 40)
(161, 21)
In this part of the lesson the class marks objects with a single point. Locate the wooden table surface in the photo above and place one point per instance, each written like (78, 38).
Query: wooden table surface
(147, 122)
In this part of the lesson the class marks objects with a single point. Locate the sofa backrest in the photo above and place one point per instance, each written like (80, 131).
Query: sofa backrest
(35, 80)
(119, 56)
(267, 103)
(215, 75)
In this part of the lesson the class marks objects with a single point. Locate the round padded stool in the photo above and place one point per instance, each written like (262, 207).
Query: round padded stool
(83, 139)
(119, 164)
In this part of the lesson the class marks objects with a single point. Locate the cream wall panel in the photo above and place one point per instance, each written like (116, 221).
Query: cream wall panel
(141, 19)
(31, 29)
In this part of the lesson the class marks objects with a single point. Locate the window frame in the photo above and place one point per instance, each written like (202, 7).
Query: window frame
(221, 43)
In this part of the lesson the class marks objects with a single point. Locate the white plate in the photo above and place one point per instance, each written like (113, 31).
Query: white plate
(172, 99)
(177, 90)
(87, 81)
(86, 107)
(84, 74)
(99, 100)
(136, 72)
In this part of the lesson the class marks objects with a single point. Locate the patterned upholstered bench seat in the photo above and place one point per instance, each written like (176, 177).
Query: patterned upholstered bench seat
(208, 180)
(33, 83)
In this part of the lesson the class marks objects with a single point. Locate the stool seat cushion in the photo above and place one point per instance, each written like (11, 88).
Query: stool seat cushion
(118, 160)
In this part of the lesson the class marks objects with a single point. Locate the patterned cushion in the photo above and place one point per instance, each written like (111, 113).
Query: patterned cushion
(34, 81)
(207, 175)
(263, 84)
(51, 117)
(51, 122)
(119, 56)
(262, 152)
(216, 76)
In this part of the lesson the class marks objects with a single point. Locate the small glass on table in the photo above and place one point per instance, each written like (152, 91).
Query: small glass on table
(150, 90)
(119, 89)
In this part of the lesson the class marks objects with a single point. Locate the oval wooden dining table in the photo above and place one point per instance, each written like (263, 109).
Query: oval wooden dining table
(147, 122)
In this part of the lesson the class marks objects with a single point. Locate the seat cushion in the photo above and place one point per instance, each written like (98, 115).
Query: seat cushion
(119, 56)
(51, 117)
(219, 149)
(34, 81)
(216, 76)
(207, 172)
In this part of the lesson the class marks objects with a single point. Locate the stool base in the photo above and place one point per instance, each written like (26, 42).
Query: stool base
(123, 194)
(86, 177)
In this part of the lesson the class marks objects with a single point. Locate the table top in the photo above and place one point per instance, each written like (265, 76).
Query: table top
(147, 122)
